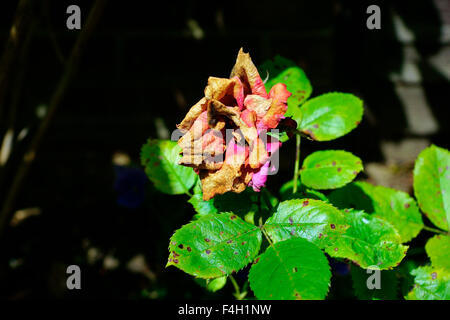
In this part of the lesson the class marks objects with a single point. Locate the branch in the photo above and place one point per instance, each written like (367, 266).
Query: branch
(55, 101)
(17, 34)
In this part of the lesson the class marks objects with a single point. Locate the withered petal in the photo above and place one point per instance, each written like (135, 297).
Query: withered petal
(248, 73)
(192, 115)
(278, 108)
(228, 91)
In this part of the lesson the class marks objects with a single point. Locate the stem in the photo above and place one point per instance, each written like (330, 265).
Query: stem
(297, 162)
(433, 230)
(266, 235)
(237, 293)
(188, 193)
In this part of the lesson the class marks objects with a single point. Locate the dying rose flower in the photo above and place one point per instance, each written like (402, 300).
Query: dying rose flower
(239, 105)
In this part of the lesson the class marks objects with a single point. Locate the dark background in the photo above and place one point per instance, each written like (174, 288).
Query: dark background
(142, 68)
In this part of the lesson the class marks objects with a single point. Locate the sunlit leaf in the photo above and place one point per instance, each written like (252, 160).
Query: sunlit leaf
(160, 158)
(291, 269)
(430, 284)
(282, 70)
(216, 284)
(432, 184)
(394, 206)
(330, 116)
(314, 220)
(369, 241)
(438, 249)
(214, 245)
(330, 169)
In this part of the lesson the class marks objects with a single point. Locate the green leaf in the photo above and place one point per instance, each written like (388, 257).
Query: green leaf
(438, 249)
(388, 284)
(216, 284)
(330, 169)
(160, 158)
(291, 269)
(432, 185)
(394, 206)
(282, 70)
(369, 241)
(214, 245)
(314, 220)
(330, 116)
(430, 284)
(302, 193)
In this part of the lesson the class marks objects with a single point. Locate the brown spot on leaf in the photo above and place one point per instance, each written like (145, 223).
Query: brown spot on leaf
(180, 246)
(207, 240)
(291, 221)
(233, 217)
(316, 126)
(407, 205)
(339, 169)
(175, 260)
(256, 261)
(333, 163)
(332, 226)
(305, 203)
(434, 275)
(295, 269)
(208, 251)
(318, 165)
(229, 241)
(189, 249)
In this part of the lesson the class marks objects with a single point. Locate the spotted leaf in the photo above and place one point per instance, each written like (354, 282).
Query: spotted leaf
(160, 158)
(369, 241)
(330, 169)
(214, 245)
(289, 270)
(314, 220)
(432, 185)
(394, 206)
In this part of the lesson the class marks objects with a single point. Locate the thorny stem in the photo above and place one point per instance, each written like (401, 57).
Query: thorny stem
(434, 230)
(297, 161)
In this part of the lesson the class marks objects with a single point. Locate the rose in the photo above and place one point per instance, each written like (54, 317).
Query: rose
(241, 108)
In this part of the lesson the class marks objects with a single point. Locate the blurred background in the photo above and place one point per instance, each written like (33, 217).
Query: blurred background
(72, 122)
